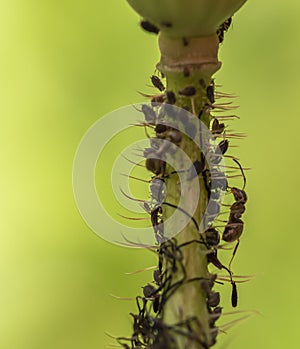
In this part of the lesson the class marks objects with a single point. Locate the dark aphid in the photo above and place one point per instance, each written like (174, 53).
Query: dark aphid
(239, 195)
(234, 295)
(188, 91)
(156, 304)
(205, 287)
(200, 113)
(149, 291)
(149, 27)
(212, 237)
(202, 83)
(175, 136)
(213, 336)
(161, 128)
(149, 114)
(215, 315)
(185, 41)
(223, 28)
(233, 230)
(166, 24)
(210, 93)
(223, 145)
(157, 277)
(157, 83)
(199, 166)
(171, 98)
(155, 165)
(213, 299)
(186, 72)
(217, 128)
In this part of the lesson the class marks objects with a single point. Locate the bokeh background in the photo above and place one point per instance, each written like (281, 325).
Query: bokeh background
(64, 64)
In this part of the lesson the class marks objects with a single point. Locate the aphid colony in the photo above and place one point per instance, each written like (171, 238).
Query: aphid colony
(149, 329)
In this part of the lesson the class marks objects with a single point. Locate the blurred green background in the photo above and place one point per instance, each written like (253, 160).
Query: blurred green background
(63, 65)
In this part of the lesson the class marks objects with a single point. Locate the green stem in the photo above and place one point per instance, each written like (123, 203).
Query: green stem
(184, 66)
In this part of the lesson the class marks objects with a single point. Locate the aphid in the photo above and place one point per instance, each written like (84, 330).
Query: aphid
(213, 299)
(157, 277)
(171, 98)
(223, 28)
(166, 24)
(210, 93)
(202, 83)
(215, 315)
(149, 27)
(155, 165)
(156, 304)
(175, 136)
(188, 91)
(161, 128)
(185, 41)
(149, 291)
(217, 128)
(223, 145)
(186, 72)
(157, 83)
(212, 237)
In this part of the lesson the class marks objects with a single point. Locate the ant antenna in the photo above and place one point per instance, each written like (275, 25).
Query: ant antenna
(242, 171)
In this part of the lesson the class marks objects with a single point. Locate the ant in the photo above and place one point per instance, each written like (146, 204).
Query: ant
(235, 226)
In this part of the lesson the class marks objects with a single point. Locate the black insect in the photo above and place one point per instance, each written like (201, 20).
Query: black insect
(157, 83)
(215, 315)
(223, 28)
(213, 299)
(149, 291)
(188, 91)
(166, 24)
(217, 128)
(149, 27)
(202, 83)
(212, 237)
(210, 93)
(171, 98)
(185, 41)
(186, 72)
(161, 128)
(223, 145)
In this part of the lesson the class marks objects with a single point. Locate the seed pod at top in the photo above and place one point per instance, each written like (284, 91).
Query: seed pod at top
(186, 18)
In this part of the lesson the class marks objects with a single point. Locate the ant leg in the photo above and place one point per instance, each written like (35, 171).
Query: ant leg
(233, 253)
